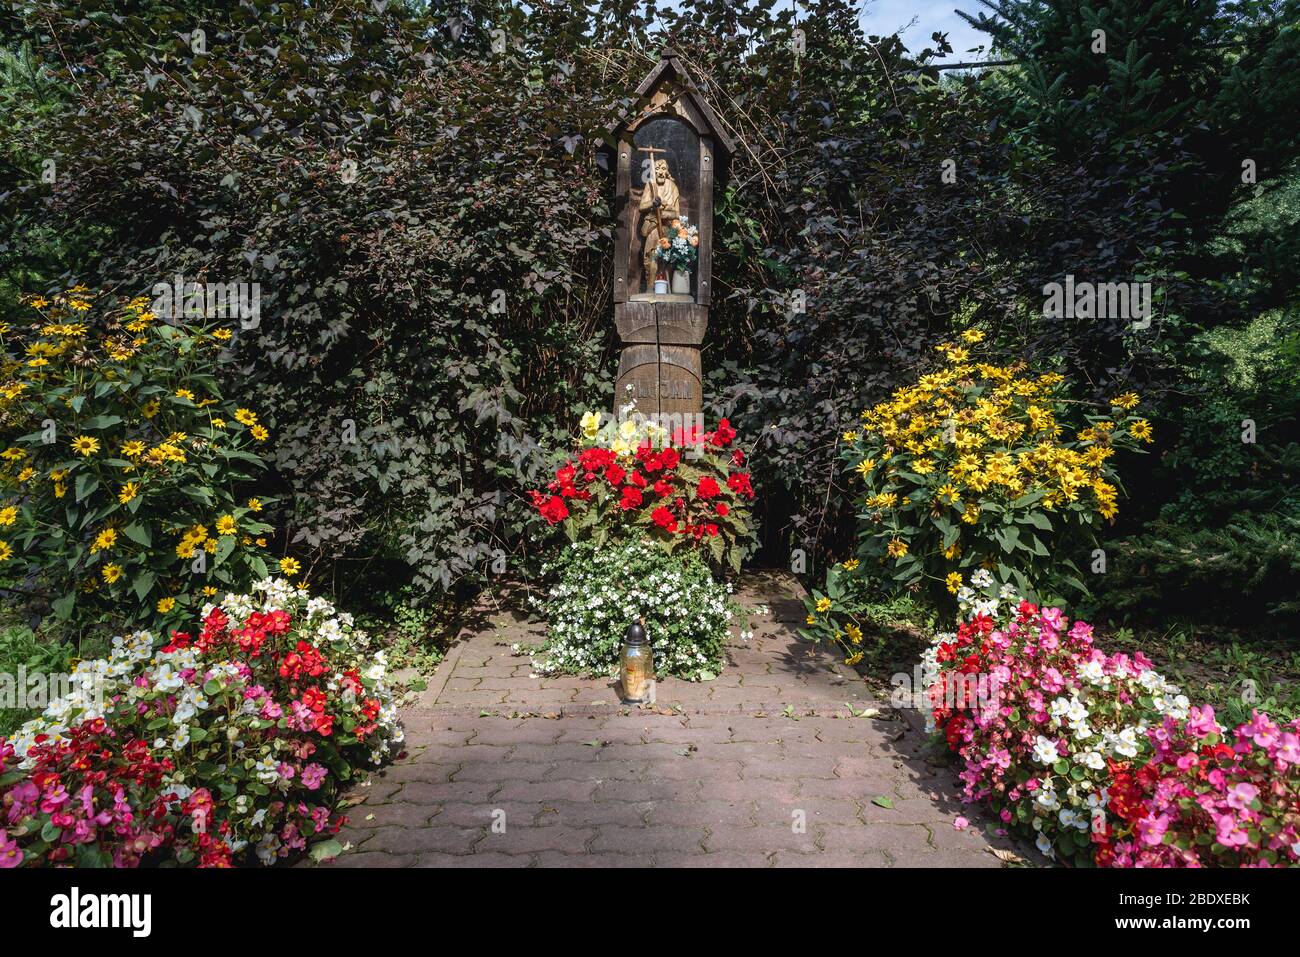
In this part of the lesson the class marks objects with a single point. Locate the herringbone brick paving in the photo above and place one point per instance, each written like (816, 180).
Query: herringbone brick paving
(771, 765)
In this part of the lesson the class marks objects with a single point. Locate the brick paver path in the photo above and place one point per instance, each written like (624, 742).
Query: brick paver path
(507, 769)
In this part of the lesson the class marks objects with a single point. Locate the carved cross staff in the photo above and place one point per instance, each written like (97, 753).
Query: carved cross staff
(650, 181)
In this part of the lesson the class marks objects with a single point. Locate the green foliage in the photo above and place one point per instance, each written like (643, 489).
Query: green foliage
(384, 173)
(21, 647)
(125, 471)
(599, 592)
(1241, 572)
(1222, 544)
(1233, 675)
(416, 630)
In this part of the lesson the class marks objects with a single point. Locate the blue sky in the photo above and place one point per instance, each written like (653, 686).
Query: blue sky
(886, 16)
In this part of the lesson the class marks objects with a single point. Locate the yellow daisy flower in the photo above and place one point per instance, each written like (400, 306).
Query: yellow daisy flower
(85, 445)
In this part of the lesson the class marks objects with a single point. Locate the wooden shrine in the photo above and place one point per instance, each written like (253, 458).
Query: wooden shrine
(666, 151)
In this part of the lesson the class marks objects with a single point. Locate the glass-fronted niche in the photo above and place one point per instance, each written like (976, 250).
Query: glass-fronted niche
(665, 191)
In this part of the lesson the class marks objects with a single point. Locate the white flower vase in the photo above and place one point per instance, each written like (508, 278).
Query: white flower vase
(682, 282)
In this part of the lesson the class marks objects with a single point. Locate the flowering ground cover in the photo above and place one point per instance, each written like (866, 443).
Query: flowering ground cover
(1097, 755)
(212, 748)
(686, 613)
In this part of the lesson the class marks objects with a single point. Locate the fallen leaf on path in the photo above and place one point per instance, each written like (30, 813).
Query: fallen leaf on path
(1006, 857)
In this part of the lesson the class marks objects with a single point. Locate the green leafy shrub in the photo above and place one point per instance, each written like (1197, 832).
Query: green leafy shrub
(1242, 571)
(600, 591)
(124, 472)
(21, 648)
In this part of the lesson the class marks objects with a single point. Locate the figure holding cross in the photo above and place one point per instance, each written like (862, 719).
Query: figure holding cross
(660, 205)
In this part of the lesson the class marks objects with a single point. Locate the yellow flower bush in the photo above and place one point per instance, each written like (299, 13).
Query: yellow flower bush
(110, 461)
(975, 467)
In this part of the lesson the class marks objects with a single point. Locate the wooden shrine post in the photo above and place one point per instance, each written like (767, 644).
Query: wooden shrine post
(665, 153)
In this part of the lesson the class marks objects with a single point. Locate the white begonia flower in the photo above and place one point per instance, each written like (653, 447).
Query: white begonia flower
(1091, 671)
(1126, 744)
(1045, 751)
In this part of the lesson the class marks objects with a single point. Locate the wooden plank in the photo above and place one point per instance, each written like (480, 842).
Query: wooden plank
(635, 321)
(681, 375)
(638, 367)
(623, 214)
(704, 220)
(681, 324)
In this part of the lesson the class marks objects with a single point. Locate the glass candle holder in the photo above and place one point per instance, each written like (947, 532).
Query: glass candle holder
(636, 665)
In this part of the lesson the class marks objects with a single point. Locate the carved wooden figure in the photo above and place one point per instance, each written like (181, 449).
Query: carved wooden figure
(665, 153)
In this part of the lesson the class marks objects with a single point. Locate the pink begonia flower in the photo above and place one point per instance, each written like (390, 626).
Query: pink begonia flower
(960, 823)
(1229, 832)
(11, 854)
(54, 799)
(1260, 730)
(22, 800)
(1152, 831)
(293, 839)
(1081, 631)
(1053, 617)
(312, 776)
(1241, 795)
(1288, 749)
(286, 771)
(1201, 722)
(1005, 814)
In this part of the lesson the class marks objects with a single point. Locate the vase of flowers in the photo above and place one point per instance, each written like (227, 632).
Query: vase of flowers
(678, 251)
